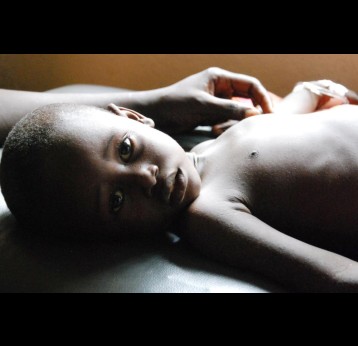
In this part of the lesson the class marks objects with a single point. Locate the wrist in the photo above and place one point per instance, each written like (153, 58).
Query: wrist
(140, 101)
(324, 88)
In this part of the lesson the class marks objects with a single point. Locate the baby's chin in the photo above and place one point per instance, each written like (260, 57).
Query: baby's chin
(194, 187)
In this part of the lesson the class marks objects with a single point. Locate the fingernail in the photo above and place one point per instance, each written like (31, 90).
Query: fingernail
(251, 112)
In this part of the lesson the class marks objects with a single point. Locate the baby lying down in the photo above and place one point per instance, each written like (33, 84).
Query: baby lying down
(276, 194)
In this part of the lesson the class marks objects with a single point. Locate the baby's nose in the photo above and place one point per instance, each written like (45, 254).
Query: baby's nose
(146, 177)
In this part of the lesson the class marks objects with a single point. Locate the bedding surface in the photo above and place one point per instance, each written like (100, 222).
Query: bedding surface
(35, 264)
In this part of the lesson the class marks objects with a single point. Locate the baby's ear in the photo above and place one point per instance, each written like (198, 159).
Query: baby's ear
(131, 114)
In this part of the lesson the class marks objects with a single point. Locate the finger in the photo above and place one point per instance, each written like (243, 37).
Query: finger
(234, 84)
(223, 110)
(256, 91)
(218, 129)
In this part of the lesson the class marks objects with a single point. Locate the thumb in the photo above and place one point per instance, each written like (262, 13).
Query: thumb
(229, 109)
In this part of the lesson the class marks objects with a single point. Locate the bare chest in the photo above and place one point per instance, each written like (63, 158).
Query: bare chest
(302, 180)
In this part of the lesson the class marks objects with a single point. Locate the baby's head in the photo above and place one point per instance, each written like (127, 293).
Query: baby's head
(81, 170)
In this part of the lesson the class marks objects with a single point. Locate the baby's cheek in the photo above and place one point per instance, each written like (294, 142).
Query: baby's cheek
(146, 211)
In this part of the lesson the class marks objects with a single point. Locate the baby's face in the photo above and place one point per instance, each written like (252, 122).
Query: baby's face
(130, 177)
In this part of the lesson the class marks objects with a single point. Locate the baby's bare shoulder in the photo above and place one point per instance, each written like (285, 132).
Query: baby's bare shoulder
(211, 207)
(202, 146)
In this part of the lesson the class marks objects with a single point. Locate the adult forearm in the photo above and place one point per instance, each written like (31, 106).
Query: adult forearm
(16, 104)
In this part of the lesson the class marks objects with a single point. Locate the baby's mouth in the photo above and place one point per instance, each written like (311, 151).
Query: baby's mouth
(171, 189)
(168, 187)
(179, 188)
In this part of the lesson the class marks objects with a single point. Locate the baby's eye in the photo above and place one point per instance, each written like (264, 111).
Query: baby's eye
(125, 150)
(117, 201)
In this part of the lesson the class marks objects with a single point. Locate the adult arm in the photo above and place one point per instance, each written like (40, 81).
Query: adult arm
(201, 99)
(232, 235)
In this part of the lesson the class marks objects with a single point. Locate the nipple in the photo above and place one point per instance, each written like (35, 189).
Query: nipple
(254, 154)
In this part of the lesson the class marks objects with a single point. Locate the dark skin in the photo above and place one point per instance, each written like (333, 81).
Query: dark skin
(201, 99)
(286, 206)
(123, 172)
(278, 193)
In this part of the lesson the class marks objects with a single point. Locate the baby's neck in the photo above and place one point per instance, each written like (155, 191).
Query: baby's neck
(197, 161)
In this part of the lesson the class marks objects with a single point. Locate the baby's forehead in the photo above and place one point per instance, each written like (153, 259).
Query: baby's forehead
(86, 122)
(91, 131)
(84, 116)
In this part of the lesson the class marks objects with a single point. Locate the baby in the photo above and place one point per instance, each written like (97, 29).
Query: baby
(276, 194)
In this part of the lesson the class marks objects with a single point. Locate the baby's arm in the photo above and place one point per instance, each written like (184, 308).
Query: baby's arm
(231, 234)
(308, 97)
(298, 102)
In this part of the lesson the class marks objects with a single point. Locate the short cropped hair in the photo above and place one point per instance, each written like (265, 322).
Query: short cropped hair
(35, 147)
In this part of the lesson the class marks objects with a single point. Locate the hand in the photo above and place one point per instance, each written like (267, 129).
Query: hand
(205, 99)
